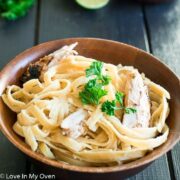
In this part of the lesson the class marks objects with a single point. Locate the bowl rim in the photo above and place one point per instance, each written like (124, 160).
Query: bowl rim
(66, 166)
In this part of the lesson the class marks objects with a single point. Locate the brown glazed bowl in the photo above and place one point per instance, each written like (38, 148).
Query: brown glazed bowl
(108, 51)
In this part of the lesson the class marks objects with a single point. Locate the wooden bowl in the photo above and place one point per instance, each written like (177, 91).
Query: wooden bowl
(108, 51)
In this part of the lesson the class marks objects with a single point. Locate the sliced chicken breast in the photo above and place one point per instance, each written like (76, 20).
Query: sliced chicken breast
(136, 96)
(72, 125)
(36, 69)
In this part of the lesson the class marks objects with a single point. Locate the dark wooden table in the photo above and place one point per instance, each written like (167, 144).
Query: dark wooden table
(154, 28)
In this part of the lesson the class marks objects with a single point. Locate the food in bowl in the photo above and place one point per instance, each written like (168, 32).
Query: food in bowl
(85, 112)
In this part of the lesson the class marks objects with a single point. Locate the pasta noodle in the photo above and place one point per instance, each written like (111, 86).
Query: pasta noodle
(54, 121)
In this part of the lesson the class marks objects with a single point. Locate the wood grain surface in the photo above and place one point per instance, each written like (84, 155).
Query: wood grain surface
(164, 34)
(119, 20)
(14, 38)
(154, 27)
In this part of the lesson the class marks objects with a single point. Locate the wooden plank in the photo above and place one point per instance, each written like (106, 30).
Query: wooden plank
(176, 160)
(120, 20)
(12, 160)
(164, 31)
(157, 167)
(14, 38)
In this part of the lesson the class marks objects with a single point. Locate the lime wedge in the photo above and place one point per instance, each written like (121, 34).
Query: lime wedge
(92, 4)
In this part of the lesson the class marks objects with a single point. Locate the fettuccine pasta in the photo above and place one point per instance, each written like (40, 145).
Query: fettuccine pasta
(54, 121)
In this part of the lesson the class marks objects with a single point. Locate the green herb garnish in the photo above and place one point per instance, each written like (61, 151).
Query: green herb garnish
(93, 90)
(109, 107)
(94, 69)
(92, 96)
(13, 9)
(104, 80)
(119, 97)
(130, 110)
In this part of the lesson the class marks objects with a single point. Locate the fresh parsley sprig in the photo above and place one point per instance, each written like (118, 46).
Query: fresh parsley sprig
(94, 69)
(93, 90)
(109, 107)
(119, 97)
(130, 110)
(104, 80)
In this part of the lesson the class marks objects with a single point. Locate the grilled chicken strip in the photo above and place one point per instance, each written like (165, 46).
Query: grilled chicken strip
(72, 125)
(137, 97)
(37, 69)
